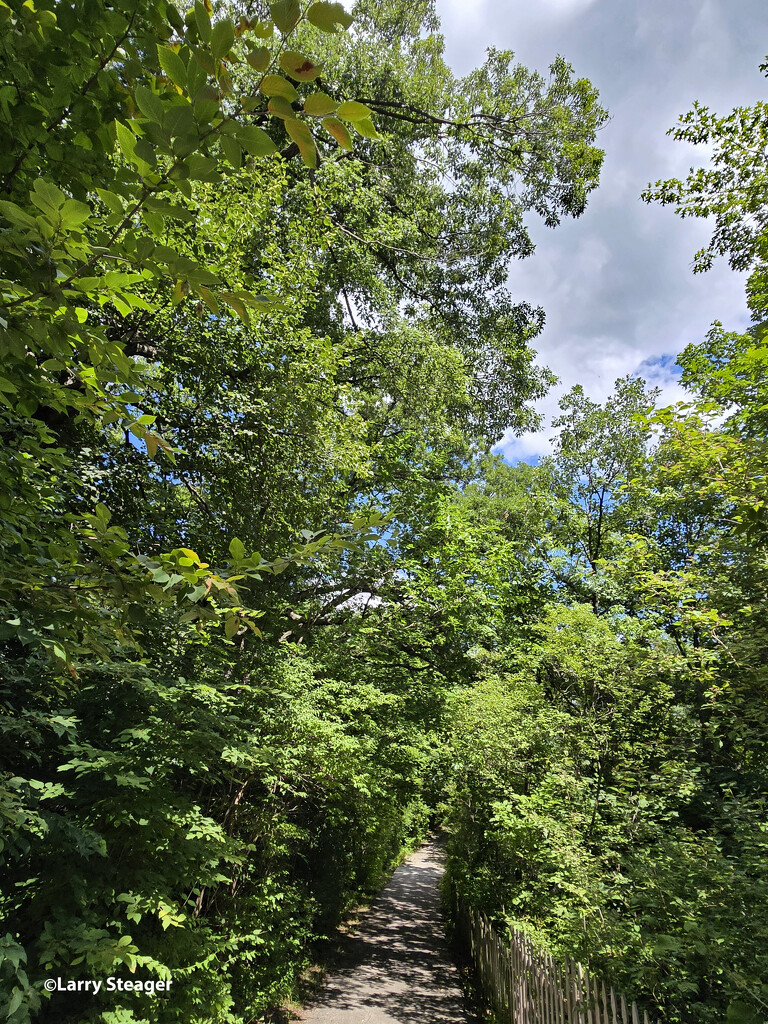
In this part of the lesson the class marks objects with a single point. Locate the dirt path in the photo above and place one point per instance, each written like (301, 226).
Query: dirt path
(399, 969)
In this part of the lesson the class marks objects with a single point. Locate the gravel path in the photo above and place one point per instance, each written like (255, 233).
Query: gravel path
(399, 969)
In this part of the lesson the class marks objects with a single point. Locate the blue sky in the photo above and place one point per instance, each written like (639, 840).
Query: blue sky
(616, 284)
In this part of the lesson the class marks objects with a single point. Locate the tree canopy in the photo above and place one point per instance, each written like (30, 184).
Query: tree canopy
(271, 605)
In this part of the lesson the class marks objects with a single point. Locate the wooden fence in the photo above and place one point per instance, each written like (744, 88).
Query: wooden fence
(523, 986)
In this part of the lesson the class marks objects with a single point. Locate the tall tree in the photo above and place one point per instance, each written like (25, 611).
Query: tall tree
(598, 451)
(255, 305)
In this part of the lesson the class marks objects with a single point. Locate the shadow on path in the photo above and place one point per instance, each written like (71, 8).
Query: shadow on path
(398, 969)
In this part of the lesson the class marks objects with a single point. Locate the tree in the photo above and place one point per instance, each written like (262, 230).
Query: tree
(609, 782)
(228, 336)
(598, 451)
(732, 189)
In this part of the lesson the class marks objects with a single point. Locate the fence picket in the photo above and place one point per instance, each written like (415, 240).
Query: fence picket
(597, 1002)
(513, 981)
(568, 990)
(586, 981)
(524, 986)
(539, 993)
(519, 983)
(562, 993)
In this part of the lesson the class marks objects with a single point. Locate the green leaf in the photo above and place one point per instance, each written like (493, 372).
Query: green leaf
(145, 152)
(237, 549)
(232, 150)
(339, 131)
(260, 58)
(46, 196)
(222, 38)
(197, 72)
(125, 139)
(740, 1012)
(251, 103)
(16, 216)
(15, 1002)
(179, 120)
(178, 293)
(302, 136)
(319, 104)
(285, 14)
(231, 626)
(236, 303)
(276, 85)
(299, 67)
(211, 302)
(263, 30)
(328, 16)
(174, 18)
(281, 108)
(255, 140)
(367, 128)
(202, 168)
(172, 65)
(351, 110)
(112, 201)
(149, 104)
(136, 151)
(58, 652)
(203, 19)
(207, 104)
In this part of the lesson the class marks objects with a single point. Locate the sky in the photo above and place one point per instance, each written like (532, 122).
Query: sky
(616, 284)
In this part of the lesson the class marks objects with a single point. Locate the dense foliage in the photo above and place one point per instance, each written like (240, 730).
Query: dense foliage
(255, 325)
(269, 602)
(607, 773)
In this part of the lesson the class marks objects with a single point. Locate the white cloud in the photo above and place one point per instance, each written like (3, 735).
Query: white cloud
(617, 285)
(566, 7)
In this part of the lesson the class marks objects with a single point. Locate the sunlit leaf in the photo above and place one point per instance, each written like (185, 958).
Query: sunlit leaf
(285, 14)
(260, 58)
(276, 85)
(222, 38)
(329, 16)
(339, 131)
(319, 104)
(203, 19)
(237, 548)
(172, 65)
(367, 128)
(280, 107)
(351, 110)
(299, 67)
(254, 140)
(148, 103)
(302, 136)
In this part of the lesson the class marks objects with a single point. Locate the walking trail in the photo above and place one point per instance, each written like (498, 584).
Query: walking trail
(400, 969)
